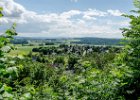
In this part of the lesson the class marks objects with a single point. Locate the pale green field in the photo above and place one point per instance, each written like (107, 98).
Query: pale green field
(24, 50)
(21, 50)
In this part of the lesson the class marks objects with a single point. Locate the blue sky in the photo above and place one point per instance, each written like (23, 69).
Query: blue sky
(65, 5)
(66, 18)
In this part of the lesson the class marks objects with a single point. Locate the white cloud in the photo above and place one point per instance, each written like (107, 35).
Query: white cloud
(11, 8)
(30, 23)
(91, 14)
(70, 13)
(115, 12)
(119, 23)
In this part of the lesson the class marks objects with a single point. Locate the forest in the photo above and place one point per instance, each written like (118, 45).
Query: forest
(71, 70)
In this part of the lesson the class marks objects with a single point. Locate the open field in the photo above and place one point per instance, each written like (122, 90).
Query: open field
(21, 50)
(24, 50)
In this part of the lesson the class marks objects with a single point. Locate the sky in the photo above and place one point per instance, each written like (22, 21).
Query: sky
(66, 18)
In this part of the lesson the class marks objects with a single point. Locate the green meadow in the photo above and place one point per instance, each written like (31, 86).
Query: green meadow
(21, 50)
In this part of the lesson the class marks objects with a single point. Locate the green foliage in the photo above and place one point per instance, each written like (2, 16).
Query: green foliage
(137, 3)
(59, 60)
(131, 55)
(7, 71)
(1, 11)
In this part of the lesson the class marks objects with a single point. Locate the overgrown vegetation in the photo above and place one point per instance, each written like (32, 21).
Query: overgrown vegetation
(70, 72)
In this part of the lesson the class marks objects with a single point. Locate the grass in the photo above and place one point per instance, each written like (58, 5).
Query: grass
(24, 50)
(21, 50)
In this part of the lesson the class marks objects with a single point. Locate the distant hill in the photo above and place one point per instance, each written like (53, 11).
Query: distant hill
(85, 40)
(99, 41)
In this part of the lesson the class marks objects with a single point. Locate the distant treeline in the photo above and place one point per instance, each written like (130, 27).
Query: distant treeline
(88, 40)
(19, 41)
(99, 41)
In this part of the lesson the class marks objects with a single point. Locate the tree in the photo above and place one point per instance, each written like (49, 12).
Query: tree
(7, 71)
(131, 54)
